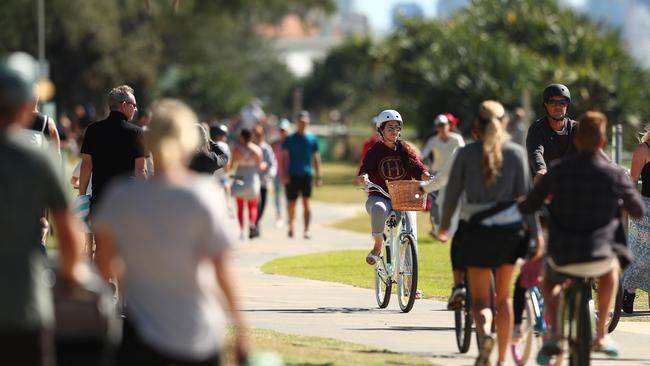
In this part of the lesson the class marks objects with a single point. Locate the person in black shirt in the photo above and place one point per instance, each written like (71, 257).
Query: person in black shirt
(584, 215)
(112, 147)
(550, 137)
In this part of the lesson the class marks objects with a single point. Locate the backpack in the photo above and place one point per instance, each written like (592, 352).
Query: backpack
(37, 136)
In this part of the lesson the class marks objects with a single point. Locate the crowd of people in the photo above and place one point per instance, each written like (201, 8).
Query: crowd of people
(487, 195)
(147, 181)
(145, 186)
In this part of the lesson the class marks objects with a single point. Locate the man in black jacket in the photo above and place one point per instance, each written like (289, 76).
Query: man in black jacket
(551, 137)
(584, 215)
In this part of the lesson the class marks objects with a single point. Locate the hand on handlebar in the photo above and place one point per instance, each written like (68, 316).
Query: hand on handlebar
(363, 179)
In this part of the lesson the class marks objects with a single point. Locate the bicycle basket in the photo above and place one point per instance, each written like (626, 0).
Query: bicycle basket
(405, 195)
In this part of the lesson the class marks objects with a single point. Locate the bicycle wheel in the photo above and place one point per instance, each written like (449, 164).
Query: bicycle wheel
(580, 330)
(521, 348)
(407, 278)
(383, 281)
(614, 313)
(463, 323)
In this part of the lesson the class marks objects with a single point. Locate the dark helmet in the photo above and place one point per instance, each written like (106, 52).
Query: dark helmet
(556, 90)
(218, 130)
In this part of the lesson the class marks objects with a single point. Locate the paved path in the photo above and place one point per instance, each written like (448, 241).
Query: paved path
(318, 308)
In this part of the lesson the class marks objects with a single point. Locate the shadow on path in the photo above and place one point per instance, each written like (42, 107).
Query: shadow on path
(333, 310)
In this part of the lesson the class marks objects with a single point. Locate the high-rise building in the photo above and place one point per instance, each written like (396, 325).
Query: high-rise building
(446, 8)
(405, 10)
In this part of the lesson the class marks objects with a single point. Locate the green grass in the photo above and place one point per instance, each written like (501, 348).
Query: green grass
(303, 350)
(338, 184)
(349, 267)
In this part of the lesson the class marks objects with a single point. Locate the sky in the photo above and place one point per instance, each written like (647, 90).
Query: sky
(378, 11)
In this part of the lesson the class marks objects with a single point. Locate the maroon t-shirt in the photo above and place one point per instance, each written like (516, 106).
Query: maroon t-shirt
(383, 163)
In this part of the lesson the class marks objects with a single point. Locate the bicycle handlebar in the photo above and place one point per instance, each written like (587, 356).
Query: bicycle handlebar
(372, 187)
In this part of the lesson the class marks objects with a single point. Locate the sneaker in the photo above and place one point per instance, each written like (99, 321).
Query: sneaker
(418, 294)
(253, 232)
(485, 349)
(457, 298)
(628, 302)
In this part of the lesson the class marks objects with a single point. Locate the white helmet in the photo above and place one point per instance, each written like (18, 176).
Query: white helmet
(388, 115)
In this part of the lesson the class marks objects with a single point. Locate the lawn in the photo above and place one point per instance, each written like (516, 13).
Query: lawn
(338, 184)
(343, 266)
(301, 350)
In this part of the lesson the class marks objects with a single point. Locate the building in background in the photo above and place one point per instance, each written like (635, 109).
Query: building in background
(446, 8)
(301, 41)
(405, 10)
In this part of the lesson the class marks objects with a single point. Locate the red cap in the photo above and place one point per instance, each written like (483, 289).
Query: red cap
(452, 119)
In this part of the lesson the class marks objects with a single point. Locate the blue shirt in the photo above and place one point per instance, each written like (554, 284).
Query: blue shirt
(301, 150)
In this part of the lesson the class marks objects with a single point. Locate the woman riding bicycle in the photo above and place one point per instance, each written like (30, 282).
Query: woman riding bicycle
(387, 160)
(491, 172)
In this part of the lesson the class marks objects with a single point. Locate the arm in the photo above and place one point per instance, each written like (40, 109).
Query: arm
(226, 283)
(84, 173)
(454, 190)
(534, 200)
(317, 161)
(535, 149)
(639, 159)
(632, 202)
(141, 167)
(54, 134)
(426, 150)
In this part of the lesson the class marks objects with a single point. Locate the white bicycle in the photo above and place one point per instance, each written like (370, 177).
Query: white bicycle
(398, 261)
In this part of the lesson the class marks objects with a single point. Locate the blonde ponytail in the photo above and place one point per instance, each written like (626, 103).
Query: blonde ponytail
(493, 140)
(489, 123)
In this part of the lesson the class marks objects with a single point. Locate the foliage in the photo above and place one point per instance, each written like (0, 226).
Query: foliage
(492, 49)
(205, 52)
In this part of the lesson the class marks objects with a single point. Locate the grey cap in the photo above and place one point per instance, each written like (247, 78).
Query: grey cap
(15, 89)
(302, 115)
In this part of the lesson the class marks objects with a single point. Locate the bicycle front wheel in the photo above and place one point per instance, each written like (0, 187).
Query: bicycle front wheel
(407, 278)
(383, 281)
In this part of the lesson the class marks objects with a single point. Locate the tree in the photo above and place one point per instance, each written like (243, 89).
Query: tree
(206, 52)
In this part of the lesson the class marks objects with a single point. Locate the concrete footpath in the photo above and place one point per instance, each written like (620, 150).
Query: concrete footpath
(318, 308)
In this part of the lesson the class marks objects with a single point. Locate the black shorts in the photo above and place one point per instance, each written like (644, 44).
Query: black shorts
(299, 185)
(455, 251)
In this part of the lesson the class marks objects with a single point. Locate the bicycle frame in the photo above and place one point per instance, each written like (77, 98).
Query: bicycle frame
(396, 231)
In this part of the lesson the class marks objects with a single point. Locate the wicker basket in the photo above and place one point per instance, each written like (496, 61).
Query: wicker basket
(405, 195)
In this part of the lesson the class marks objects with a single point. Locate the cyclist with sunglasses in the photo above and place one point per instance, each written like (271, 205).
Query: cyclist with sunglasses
(551, 137)
(388, 159)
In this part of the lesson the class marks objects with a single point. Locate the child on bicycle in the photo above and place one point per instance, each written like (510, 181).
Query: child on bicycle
(585, 191)
(388, 159)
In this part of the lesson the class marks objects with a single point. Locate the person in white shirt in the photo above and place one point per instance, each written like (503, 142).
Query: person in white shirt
(441, 150)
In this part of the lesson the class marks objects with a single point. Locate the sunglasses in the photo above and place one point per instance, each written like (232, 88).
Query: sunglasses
(557, 102)
(131, 103)
(394, 128)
